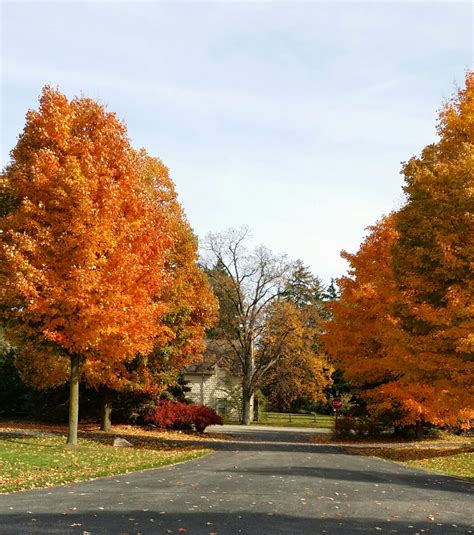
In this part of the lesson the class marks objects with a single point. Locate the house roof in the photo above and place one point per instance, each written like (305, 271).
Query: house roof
(200, 368)
(217, 353)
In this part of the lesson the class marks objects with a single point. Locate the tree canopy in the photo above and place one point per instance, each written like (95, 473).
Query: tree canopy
(402, 329)
(270, 312)
(88, 236)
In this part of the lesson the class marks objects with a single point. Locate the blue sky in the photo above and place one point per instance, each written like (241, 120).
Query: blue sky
(289, 117)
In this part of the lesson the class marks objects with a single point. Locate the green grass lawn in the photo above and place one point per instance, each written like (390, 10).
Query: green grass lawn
(29, 461)
(458, 465)
(284, 419)
(457, 461)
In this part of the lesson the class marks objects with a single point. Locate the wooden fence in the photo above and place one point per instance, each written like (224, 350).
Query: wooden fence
(309, 419)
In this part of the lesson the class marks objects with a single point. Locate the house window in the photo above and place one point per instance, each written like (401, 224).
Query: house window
(221, 407)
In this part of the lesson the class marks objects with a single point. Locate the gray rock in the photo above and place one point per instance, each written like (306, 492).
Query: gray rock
(122, 443)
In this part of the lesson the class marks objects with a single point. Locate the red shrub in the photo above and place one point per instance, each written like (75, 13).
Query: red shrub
(171, 415)
(204, 416)
(177, 415)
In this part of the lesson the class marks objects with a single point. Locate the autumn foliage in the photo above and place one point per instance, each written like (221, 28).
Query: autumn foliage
(99, 280)
(94, 250)
(188, 305)
(433, 261)
(270, 319)
(402, 330)
(300, 371)
(364, 335)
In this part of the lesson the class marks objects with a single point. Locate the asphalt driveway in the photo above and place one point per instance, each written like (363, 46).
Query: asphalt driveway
(266, 482)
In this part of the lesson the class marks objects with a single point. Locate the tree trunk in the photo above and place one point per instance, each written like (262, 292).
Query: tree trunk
(419, 429)
(74, 400)
(247, 392)
(106, 411)
(246, 406)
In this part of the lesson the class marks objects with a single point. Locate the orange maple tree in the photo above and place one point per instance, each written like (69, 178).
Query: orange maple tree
(188, 305)
(402, 329)
(191, 307)
(363, 335)
(83, 247)
(394, 369)
(433, 262)
(290, 342)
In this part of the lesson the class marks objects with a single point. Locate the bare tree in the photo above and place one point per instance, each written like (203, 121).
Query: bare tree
(249, 281)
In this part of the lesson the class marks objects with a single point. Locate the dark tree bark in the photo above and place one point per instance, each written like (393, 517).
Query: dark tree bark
(106, 410)
(74, 400)
(419, 428)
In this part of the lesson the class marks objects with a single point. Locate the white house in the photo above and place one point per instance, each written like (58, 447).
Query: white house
(214, 383)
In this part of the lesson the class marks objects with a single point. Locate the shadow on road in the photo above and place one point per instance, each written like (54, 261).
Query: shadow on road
(422, 480)
(205, 523)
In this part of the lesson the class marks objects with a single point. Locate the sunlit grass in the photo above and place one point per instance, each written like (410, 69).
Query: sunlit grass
(29, 461)
(283, 419)
(458, 465)
(457, 461)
